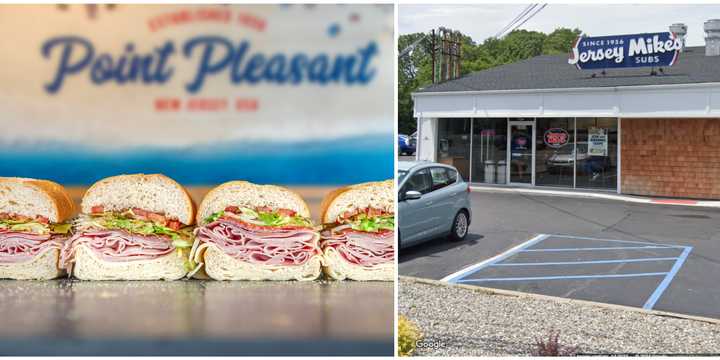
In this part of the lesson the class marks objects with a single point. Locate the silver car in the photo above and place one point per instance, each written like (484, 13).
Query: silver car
(433, 201)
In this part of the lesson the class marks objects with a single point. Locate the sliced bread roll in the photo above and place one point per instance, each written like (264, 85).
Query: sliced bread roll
(243, 193)
(89, 267)
(44, 266)
(377, 195)
(220, 266)
(33, 197)
(337, 268)
(156, 192)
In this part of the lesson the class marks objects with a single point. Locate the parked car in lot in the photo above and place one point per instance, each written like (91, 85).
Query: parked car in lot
(406, 144)
(433, 201)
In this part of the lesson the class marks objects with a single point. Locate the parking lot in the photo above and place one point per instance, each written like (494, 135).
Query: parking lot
(647, 256)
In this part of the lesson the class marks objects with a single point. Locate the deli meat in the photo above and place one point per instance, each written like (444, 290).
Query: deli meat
(362, 248)
(117, 245)
(259, 245)
(16, 247)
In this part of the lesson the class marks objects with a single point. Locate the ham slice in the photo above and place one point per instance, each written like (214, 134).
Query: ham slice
(362, 248)
(116, 246)
(17, 247)
(259, 245)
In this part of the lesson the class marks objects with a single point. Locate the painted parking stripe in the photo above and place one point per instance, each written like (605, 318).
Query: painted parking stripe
(615, 240)
(452, 278)
(650, 303)
(565, 277)
(586, 262)
(458, 277)
(598, 248)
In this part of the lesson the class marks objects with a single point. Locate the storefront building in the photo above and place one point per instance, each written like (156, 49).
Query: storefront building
(652, 131)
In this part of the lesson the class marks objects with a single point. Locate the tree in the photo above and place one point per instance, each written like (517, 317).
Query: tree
(415, 69)
(560, 41)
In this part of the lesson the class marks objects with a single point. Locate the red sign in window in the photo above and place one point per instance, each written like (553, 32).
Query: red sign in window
(556, 137)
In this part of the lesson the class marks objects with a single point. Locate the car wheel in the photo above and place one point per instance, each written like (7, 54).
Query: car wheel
(459, 227)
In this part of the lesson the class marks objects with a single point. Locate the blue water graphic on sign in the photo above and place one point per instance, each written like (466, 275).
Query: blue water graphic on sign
(331, 162)
(621, 51)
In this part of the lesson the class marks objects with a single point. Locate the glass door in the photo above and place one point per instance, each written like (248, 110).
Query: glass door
(521, 145)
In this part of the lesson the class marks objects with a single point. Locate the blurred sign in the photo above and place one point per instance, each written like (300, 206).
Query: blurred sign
(619, 51)
(297, 94)
(597, 142)
(556, 137)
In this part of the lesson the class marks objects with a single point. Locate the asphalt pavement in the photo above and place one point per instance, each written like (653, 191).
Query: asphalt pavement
(645, 255)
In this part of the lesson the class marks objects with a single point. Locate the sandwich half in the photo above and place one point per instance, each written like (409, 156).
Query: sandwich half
(255, 232)
(132, 227)
(358, 240)
(34, 224)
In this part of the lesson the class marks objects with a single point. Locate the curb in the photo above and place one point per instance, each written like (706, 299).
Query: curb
(606, 196)
(518, 294)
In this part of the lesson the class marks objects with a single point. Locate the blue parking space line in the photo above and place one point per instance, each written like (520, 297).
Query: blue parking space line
(614, 240)
(650, 303)
(454, 277)
(586, 262)
(565, 277)
(599, 248)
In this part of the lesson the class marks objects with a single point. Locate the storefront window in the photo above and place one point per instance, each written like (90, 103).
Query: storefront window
(489, 151)
(454, 144)
(596, 153)
(554, 152)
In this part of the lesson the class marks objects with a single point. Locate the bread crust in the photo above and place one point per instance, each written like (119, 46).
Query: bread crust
(331, 196)
(190, 204)
(60, 198)
(207, 199)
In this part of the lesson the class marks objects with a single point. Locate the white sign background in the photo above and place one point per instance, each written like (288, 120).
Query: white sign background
(112, 116)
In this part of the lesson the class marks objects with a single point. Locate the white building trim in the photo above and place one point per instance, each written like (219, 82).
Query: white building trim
(656, 101)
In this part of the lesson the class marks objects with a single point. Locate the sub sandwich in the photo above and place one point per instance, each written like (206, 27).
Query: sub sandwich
(34, 223)
(358, 240)
(132, 227)
(255, 232)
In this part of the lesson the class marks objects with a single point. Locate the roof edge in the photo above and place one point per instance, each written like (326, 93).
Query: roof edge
(551, 90)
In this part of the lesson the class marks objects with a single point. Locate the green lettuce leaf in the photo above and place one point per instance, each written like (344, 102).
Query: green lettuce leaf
(374, 224)
(267, 218)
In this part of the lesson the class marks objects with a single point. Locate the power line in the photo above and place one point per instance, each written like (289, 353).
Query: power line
(516, 19)
(527, 18)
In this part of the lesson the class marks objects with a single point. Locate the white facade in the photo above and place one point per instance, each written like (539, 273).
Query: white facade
(656, 101)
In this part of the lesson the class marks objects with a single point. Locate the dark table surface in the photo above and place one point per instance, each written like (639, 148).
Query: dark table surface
(192, 317)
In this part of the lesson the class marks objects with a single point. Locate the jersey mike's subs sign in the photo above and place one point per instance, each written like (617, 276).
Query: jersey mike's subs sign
(621, 51)
(293, 94)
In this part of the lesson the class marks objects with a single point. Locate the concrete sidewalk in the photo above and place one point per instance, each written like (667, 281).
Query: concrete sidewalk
(596, 195)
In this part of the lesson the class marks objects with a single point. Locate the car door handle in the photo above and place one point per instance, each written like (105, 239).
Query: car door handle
(428, 203)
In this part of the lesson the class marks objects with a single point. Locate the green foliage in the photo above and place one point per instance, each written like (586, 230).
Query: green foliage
(415, 69)
(408, 336)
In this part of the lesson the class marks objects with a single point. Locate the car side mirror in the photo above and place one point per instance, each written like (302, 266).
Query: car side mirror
(412, 195)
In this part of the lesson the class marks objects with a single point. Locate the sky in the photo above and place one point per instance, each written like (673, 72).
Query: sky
(482, 21)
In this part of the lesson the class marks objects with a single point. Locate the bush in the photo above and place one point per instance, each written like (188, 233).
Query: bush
(408, 336)
(552, 346)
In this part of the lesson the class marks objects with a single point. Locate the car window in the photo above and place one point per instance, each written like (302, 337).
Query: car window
(452, 176)
(440, 178)
(401, 175)
(419, 181)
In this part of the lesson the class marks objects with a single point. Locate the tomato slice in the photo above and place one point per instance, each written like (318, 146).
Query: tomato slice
(174, 224)
(97, 209)
(286, 212)
(233, 209)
